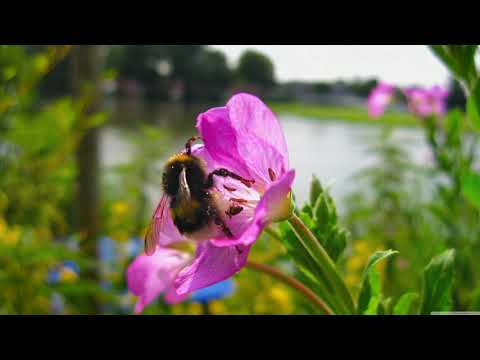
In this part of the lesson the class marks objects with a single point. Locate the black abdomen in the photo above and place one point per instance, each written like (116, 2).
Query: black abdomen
(195, 218)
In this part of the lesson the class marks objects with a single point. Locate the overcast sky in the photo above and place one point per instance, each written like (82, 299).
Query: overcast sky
(398, 64)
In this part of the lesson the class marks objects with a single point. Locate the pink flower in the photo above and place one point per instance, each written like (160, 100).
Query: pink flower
(246, 138)
(425, 102)
(149, 276)
(380, 97)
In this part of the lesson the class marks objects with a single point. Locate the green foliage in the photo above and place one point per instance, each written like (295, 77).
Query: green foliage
(471, 188)
(405, 304)
(256, 69)
(370, 293)
(460, 60)
(343, 113)
(437, 283)
(203, 74)
(473, 107)
(37, 182)
(316, 253)
(321, 214)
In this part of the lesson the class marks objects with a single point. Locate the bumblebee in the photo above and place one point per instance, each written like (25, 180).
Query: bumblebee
(187, 194)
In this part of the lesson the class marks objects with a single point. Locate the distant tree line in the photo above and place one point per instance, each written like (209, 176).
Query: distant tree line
(186, 73)
(198, 73)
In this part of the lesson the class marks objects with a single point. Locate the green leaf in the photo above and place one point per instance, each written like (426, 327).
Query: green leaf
(471, 187)
(453, 125)
(307, 266)
(404, 304)
(441, 51)
(437, 283)
(473, 107)
(321, 212)
(374, 290)
(315, 190)
(96, 120)
(370, 287)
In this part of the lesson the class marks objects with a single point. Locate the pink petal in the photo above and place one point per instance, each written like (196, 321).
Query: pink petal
(245, 137)
(261, 159)
(419, 101)
(379, 99)
(273, 205)
(249, 115)
(212, 264)
(220, 139)
(148, 276)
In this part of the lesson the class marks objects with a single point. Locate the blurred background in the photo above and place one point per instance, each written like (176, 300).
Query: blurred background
(84, 132)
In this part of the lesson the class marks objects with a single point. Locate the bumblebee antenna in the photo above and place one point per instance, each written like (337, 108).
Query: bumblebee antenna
(188, 145)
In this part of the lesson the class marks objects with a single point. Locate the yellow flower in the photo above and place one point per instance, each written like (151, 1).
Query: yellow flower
(362, 247)
(194, 309)
(217, 307)
(355, 263)
(13, 235)
(68, 275)
(260, 307)
(120, 208)
(352, 280)
(10, 235)
(282, 297)
(3, 227)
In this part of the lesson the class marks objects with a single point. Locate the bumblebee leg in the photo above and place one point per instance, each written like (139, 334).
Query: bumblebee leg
(188, 145)
(226, 173)
(219, 221)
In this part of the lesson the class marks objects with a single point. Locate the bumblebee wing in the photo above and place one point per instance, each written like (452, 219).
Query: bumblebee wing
(160, 216)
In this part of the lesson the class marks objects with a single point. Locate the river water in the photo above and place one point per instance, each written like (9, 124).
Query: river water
(333, 150)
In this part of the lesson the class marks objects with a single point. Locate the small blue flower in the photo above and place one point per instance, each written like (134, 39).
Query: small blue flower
(107, 249)
(134, 246)
(217, 291)
(72, 265)
(53, 276)
(67, 270)
(57, 305)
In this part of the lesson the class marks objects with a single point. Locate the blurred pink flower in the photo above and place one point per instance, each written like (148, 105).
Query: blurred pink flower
(425, 102)
(246, 138)
(149, 276)
(380, 97)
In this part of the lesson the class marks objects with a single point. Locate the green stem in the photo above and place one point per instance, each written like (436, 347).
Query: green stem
(325, 263)
(273, 233)
(293, 283)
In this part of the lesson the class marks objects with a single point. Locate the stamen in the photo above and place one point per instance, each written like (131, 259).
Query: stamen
(272, 175)
(240, 201)
(247, 183)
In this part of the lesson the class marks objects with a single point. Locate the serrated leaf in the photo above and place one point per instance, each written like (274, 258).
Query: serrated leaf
(471, 187)
(321, 213)
(437, 283)
(315, 190)
(369, 288)
(404, 304)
